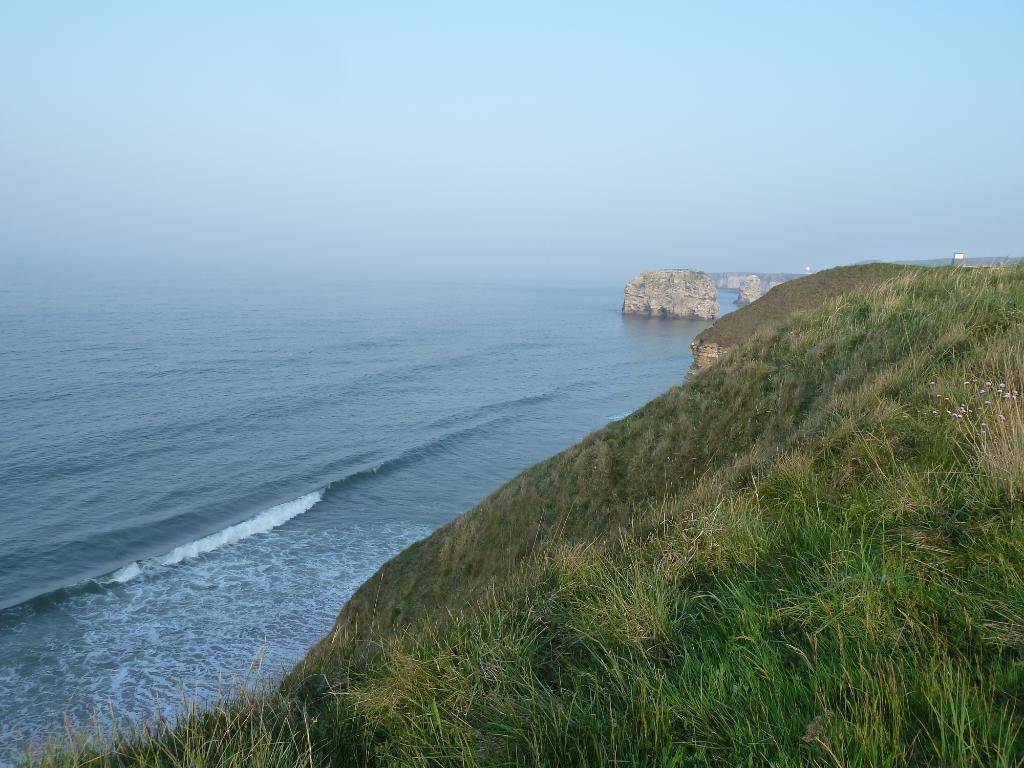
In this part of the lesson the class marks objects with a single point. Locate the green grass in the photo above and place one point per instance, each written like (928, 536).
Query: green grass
(791, 560)
(799, 295)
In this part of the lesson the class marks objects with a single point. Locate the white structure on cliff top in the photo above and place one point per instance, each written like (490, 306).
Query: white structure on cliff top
(959, 258)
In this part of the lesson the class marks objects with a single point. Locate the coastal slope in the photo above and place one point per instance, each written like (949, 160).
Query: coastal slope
(811, 553)
(783, 301)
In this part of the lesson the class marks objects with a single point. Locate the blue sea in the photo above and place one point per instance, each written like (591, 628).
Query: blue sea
(194, 478)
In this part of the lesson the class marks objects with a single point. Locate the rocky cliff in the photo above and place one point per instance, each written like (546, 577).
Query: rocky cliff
(751, 289)
(683, 293)
(731, 281)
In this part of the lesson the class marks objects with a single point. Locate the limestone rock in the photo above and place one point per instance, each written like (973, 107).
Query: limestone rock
(730, 281)
(705, 353)
(750, 289)
(682, 293)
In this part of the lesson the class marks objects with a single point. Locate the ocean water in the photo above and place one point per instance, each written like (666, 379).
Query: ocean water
(194, 478)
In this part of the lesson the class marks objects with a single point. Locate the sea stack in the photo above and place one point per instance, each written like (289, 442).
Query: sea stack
(681, 293)
(751, 289)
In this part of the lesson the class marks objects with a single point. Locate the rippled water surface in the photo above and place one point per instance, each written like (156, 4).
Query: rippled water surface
(194, 478)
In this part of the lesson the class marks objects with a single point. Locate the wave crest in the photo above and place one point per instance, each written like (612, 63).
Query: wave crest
(265, 521)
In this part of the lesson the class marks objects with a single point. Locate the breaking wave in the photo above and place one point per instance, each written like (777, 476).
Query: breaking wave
(265, 521)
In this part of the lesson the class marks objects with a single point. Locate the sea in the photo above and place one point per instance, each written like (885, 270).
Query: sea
(194, 476)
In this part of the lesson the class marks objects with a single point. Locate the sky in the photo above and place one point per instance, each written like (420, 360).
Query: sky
(522, 139)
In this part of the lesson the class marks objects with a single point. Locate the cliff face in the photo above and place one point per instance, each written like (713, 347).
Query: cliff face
(705, 353)
(751, 289)
(681, 293)
(731, 281)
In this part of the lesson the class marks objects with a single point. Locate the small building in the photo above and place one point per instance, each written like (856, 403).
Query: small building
(959, 259)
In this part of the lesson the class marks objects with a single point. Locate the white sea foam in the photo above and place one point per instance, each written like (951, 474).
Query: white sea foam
(265, 521)
(129, 572)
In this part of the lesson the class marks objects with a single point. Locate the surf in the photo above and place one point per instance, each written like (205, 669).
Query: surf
(264, 522)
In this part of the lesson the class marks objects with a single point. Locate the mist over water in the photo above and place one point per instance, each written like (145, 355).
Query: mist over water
(193, 479)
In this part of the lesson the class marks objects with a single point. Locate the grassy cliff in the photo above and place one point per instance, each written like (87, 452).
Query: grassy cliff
(603, 485)
(783, 302)
(812, 553)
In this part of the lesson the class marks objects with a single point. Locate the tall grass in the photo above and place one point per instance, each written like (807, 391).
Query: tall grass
(262, 730)
(794, 559)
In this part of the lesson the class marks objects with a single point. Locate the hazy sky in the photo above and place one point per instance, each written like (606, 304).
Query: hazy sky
(534, 139)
